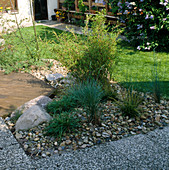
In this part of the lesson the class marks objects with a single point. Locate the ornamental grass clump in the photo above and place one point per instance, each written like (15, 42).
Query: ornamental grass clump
(65, 104)
(63, 123)
(129, 104)
(89, 94)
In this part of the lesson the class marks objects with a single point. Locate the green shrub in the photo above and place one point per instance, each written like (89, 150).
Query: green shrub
(130, 103)
(91, 56)
(88, 94)
(62, 123)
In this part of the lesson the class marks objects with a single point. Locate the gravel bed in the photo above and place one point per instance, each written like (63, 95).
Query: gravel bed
(113, 126)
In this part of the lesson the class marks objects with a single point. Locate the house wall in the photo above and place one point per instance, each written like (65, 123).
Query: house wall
(23, 14)
(52, 4)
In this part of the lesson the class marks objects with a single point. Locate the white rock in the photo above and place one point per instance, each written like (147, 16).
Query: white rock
(133, 133)
(18, 136)
(54, 77)
(164, 116)
(83, 146)
(55, 143)
(105, 135)
(26, 147)
(40, 101)
(68, 142)
(98, 134)
(32, 117)
(44, 155)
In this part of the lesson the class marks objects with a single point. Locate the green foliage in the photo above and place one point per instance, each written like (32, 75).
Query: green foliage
(146, 22)
(90, 56)
(156, 90)
(69, 4)
(61, 124)
(155, 82)
(14, 55)
(130, 103)
(82, 7)
(65, 104)
(15, 117)
(109, 92)
(88, 94)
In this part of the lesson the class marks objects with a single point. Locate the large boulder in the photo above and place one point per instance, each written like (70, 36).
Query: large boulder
(41, 101)
(32, 117)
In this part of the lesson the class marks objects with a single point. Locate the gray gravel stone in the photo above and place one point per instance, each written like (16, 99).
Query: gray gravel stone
(54, 77)
(12, 155)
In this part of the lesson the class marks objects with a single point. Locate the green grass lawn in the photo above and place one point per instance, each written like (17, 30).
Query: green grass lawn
(133, 67)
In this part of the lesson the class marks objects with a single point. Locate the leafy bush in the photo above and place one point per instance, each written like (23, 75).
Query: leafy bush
(130, 103)
(62, 123)
(88, 94)
(147, 22)
(90, 56)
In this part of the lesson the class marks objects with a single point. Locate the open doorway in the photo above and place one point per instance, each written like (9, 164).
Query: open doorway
(41, 11)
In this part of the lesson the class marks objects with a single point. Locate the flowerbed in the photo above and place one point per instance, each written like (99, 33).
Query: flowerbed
(114, 126)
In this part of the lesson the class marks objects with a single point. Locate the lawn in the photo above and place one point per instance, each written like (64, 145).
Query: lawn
(136, 68)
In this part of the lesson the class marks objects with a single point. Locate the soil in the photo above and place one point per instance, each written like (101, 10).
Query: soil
(18, 88)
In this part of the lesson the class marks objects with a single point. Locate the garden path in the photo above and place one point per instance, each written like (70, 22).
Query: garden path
(18, 88)
(61, 26)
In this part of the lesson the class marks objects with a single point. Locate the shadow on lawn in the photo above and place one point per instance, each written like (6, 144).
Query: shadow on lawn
(148, 87)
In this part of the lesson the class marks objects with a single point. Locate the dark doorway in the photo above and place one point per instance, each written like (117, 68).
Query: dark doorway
(41, 12)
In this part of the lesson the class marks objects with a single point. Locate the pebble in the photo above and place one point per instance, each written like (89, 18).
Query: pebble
(86, 140)
(164, 116)
(83, 146)
(80, 143)
(60, 149)
(26, 147)
(98, 134)
(43, 155)
(68, 142)
(63, 143)
(157, 123)
(48, 153)
(133, 133)
(36, 139)
(55, 143)
(105, 135)
(167, 121)
(18, 135)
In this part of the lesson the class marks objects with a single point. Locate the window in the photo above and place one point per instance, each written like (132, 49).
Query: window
(6, 4)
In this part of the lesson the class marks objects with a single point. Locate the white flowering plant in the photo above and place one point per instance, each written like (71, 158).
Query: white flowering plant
(147, 22)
